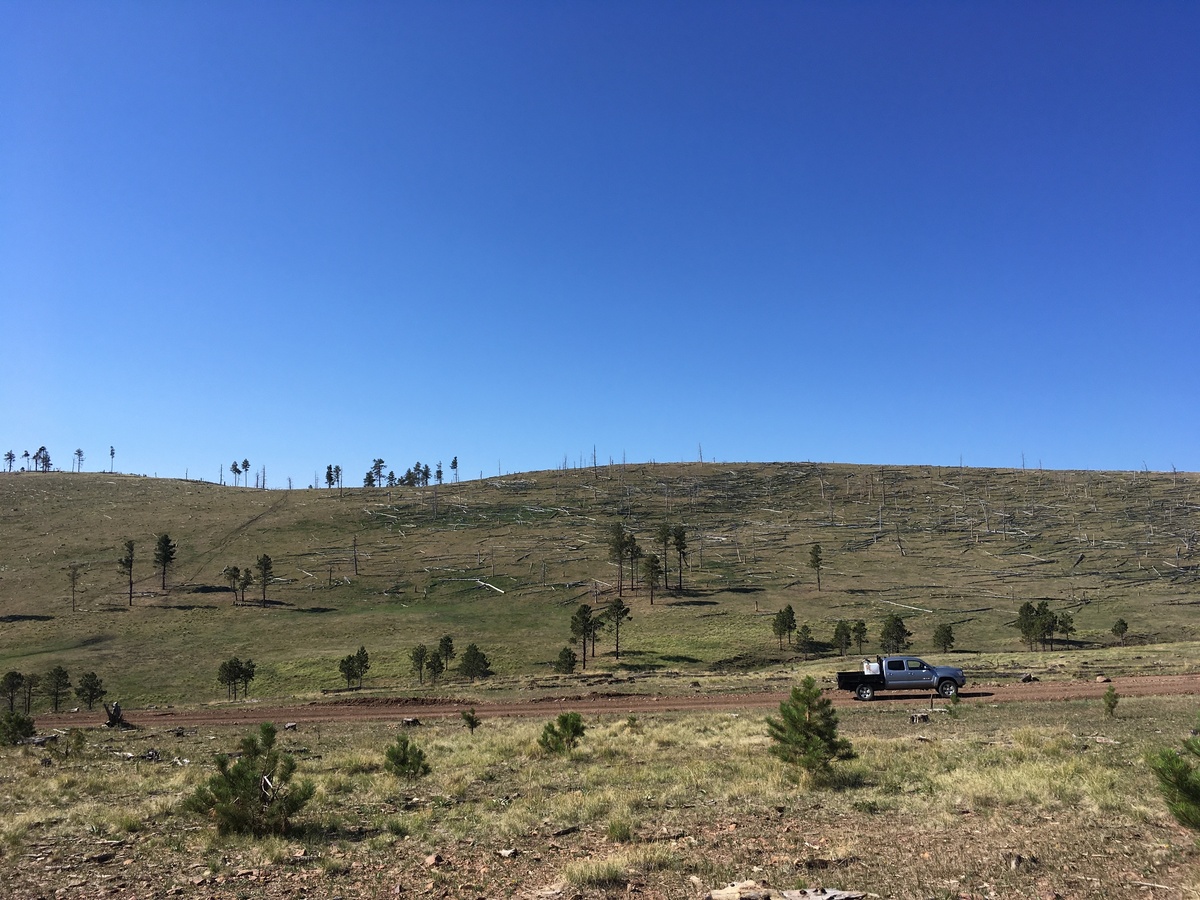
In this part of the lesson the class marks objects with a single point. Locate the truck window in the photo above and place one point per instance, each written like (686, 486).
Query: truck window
(916, 664)
(895, 665)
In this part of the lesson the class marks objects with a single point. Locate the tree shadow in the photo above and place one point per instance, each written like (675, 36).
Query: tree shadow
(637, 666)
(315, 610)
(16, 617)
(691, 603)
(674, 658)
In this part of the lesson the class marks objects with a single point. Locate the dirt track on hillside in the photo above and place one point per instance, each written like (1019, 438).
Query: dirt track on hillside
(376, 709)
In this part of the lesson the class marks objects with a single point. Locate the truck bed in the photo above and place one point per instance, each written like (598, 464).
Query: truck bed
(848, 681)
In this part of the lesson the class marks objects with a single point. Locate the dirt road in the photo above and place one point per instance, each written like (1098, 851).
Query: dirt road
(396, 709)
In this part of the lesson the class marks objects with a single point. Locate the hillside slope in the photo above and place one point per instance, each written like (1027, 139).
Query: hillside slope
(503, 562)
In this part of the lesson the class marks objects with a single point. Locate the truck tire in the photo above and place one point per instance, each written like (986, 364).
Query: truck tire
(864, 692)
(947, 688)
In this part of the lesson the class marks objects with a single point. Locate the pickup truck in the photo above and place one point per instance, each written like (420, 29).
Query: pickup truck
(900, 673)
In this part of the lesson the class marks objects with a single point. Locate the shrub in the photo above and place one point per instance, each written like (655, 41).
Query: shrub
(563, 734)
(470, 719)
(15, 727)
(252, 796)
(406, 760)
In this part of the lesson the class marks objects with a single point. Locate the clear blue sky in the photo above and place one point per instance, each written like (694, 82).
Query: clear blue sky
(313, 233)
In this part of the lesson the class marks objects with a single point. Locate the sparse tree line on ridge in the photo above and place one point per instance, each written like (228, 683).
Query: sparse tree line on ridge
(417, 475)
(39, 460)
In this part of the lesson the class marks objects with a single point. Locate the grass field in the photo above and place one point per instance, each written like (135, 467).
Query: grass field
(1029, 800)
(503, 562)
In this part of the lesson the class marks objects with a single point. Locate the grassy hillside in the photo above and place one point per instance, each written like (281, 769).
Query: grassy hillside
(503, 562)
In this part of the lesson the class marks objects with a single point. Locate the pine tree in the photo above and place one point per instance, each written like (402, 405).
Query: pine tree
(348, 666)
(474, 664)
(614, 615)
(265, 571)
(662, 534)
(419, 655)
(814, 562)
(943, 637)
(804, 640)
(229, 673)
(125, 564)
(446, 650)
(57, 683)
(859, 633)
(651, 569)
(362, 662)
(679, 536)
(779, 627)
(90, 689)
(1119, 630)
(583, 628)
(164, 555)
(806, 732)
(10, 687)
(841, 636)
(893, 636)
(566, 662)
(233, 575)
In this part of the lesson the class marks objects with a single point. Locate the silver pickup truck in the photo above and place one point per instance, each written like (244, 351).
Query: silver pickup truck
(901, 673)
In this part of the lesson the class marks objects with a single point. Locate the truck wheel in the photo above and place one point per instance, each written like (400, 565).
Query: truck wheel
(947, 688)
(864, 692)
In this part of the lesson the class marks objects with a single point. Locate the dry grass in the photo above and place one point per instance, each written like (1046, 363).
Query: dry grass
(1028, 800)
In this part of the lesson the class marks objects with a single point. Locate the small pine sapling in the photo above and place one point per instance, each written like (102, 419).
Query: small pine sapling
(1179, 781)
(15, 727)
(406, 760)
(253, 795)
(563, 734)
(1110, 701)
(471, 720)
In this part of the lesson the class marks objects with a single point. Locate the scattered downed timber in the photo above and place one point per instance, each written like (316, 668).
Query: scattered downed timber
(752, 890)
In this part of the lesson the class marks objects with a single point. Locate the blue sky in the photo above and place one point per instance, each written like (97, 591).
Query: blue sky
(313, 233)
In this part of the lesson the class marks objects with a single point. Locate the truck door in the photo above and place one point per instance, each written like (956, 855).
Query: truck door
(894, 673)
(919, 673)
